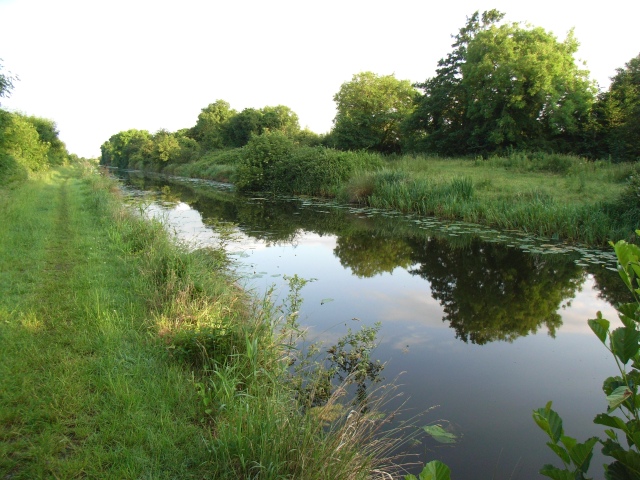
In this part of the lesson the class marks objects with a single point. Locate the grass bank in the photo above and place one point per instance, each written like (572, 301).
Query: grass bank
(123, 355)
(551, 195)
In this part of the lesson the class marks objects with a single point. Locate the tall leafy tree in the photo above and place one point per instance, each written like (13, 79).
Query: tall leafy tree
(439, 122)
(21, 143)
(504, 86)
(48, 131)
(242, 126)
(370, 112)
(209, 129)
(619, 113)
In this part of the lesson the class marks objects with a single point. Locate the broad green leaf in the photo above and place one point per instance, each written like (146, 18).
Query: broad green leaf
(600, 327)
(631, 310)
(561, 452)
(617, 471)
(555, 473)
(611, 434)
(609, 421)
(568, 442)
(439, 434)
(435, 470)
(581, 454)
(624, 342)
(549, 421)
(617, 397)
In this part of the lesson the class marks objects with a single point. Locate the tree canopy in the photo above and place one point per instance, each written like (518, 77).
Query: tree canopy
(619, 112)
(503, 86)
(370, 112)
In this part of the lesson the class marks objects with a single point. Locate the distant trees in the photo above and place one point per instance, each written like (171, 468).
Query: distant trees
(503, 87)
(218, 127)
(370, 112)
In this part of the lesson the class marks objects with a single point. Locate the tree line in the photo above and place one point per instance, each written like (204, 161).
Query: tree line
(27, 143)
(503, 87)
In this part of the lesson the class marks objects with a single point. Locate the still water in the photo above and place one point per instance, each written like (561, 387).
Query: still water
(485, 326)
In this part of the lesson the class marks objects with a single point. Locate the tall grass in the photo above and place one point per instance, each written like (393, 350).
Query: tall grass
(124, 355)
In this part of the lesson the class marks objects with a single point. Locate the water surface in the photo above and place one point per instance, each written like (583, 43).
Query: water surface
(486, 326)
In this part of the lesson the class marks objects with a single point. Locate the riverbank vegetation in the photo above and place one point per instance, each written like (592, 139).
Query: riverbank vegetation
(510, 132)
(125, 355)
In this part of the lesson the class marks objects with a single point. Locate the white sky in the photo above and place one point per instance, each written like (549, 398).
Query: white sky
(98, 67)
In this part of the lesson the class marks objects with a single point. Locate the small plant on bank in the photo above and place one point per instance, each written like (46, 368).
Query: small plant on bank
(622, 442)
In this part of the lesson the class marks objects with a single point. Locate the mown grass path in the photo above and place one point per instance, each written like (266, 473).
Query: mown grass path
(85, 389)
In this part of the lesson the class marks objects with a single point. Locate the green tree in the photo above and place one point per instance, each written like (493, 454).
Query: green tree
(20, 143)
(165, 146)
(525, 90)
(281, 119)
(129, 146)
(504, 87)
(209, 129)
(438, 122)
(239, 129)
(370, 112)
(48, 132)
(619, 109)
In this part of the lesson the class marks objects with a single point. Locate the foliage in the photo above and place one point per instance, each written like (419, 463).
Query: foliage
(255, 171)
(241, 127)
(439, 122)
(209, 130)
(505, 86)
(434, 470)
(319, 170)
(491, 293)
(622, 442)
(47, 130)
(127, 147)
(370, 112)
(20, 143)
(6, 82)
(619, 114)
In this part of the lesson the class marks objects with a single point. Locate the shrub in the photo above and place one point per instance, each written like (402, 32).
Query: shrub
(255, 170)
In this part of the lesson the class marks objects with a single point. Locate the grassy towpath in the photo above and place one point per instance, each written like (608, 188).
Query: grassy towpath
(85, 390)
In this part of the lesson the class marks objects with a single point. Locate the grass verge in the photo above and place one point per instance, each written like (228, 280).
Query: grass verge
(123, 355)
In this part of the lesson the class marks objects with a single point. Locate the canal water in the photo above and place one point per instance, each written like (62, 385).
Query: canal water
(478, 327)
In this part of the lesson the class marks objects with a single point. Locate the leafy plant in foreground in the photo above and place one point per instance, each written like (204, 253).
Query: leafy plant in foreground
(623, 415)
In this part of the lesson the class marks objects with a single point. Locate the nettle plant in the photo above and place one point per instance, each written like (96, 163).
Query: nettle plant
(622, 442)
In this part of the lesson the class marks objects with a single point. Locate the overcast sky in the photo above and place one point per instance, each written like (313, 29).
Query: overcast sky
(99, 67)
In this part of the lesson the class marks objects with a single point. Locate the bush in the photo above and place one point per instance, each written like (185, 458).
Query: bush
(255, 170)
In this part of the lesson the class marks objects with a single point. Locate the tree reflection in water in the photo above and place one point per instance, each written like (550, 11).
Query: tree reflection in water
(492, 292)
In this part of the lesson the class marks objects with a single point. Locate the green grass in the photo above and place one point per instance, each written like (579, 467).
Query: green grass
(123, 355)
(561, 197)
(552, 195)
